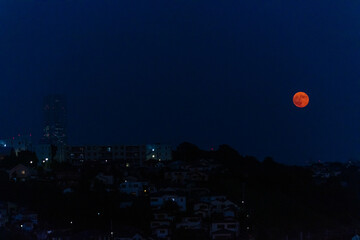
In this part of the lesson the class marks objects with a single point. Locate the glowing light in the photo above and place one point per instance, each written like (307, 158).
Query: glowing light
(301, 99)
(153, 150)
(153, 155)
(31, 162)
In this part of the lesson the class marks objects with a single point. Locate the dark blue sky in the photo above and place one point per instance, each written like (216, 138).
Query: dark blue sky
(208, 72)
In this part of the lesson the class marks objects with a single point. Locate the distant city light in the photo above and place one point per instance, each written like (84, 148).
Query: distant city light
(71, 222)
(144, 190)
(243, 201)
(46, 159)
(153, 150)
(106, 161)
(31, 162)
(98, 214)
(153, 155)
(127, 164)
(43, 161)
(21, 225)
(4, 145)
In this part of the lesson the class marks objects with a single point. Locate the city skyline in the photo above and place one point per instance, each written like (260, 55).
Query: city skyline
(208, 73)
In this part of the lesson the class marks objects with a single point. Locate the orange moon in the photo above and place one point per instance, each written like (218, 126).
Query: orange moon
(301, 99)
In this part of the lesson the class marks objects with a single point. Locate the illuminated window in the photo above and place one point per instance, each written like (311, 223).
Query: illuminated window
(127, 164)
(23, 172)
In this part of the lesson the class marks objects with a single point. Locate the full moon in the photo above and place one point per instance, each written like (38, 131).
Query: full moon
(301, 99)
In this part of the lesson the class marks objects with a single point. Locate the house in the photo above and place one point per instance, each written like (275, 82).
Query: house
(198, 176)
(159, 223)
(27, 226)
(19, 173)
(106, 179)
(126, 201)
(135, 188)
(68, 179)
(176, 176)
(190, 223)
(176, 165)
(27, 216)
(162, 233)
(228, 224)
(162, 215)
(202, 209)
(230, 211)
(223, 234)
(157, 200)
(218, 206)
(213, 198)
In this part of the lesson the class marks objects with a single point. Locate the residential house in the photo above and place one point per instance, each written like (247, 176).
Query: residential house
(202, 209)
(190, 223)
(19, 173)
(135, 188)
(106, 179)
(158, 199)
(228, 224)
(163, 233)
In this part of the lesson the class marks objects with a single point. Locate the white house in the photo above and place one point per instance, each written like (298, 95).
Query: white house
(224, 224)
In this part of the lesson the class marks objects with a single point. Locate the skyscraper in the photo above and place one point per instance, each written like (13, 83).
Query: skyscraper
(55, 120)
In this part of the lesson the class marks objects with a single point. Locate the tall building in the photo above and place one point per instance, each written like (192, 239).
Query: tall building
(55, 120)
(53, 143)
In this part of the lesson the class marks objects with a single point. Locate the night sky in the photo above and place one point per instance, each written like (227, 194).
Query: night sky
(208, 72)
